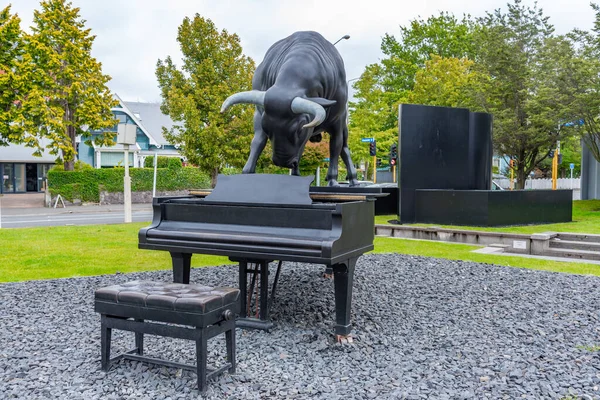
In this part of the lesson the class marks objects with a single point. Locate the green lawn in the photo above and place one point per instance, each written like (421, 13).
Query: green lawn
(68, 251)
(586, 219)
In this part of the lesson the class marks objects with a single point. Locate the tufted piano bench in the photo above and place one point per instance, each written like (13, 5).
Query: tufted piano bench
(203, 311)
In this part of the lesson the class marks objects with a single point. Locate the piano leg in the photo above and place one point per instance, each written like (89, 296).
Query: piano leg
(343, 278)
(181, 267)
(243, 277)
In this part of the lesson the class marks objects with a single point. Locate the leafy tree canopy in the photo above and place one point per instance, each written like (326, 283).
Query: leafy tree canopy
(11, 83)
(214, 67)
(67, 89)
(521, 56)
(383, 86)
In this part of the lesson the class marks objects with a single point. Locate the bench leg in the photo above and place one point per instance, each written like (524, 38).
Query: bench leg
(105, 337)
(201, 353)
(230, 343)
(139, 340)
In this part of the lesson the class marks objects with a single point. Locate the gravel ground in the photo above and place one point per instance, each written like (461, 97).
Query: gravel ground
(424, 328)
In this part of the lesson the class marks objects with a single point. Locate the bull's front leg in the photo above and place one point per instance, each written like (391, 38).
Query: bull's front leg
(335, 148)
(259, 141)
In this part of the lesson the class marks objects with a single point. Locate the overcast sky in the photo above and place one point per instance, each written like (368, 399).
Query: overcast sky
(131, 35)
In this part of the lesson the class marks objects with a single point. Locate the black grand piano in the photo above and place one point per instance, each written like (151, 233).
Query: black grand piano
(255, 219)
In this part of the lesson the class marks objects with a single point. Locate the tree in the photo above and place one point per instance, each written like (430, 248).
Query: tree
(313, 156)
(518, 52)
(383, 86)
(214, 67)
(11, 84)
(68, 89)
(580, 81)
(450, 82)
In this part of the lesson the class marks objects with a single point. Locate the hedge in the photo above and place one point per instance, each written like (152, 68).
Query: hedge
(87, 184)
(163, 162)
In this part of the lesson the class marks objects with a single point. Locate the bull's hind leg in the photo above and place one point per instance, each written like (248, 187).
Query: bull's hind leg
(259, 141)
(351, 175)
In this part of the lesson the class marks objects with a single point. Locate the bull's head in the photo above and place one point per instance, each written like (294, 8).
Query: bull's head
(288, 120)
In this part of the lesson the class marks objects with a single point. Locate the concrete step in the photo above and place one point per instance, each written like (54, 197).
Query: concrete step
(575, 254)
(574, 245)
(580, 237)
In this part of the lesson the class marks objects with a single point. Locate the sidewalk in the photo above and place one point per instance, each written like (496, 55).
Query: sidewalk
(86, 208)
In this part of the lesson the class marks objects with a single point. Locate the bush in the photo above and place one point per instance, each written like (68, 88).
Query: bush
(163, 162)
(87, 184)
(78, 166)
(174, 163)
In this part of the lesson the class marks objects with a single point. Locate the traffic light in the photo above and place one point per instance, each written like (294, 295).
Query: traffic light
(551, 153)
(394, 151)
(560, 158)
(373, 148)
(379, 163)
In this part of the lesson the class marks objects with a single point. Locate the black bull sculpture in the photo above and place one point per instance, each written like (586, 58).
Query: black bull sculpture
(300, 91)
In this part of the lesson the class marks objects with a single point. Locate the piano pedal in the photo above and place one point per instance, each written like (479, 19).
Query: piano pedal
(344, 339)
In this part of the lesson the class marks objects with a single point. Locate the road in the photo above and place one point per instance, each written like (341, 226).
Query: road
(25, 219)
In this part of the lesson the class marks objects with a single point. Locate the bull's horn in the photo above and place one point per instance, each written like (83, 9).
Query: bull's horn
(256, 97)
(301, 105)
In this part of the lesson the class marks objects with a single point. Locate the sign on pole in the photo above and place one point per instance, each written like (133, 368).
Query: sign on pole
(367, 139)
(572, 166)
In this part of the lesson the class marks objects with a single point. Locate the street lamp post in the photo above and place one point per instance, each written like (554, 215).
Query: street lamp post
(345, 37)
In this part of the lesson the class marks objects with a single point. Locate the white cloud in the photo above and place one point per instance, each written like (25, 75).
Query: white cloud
(132, 35)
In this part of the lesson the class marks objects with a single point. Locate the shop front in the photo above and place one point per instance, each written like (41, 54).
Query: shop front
(23, 177)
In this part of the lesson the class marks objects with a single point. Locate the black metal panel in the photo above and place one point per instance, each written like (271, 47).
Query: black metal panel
(517, 207)
(387, 205)
(441, 148)
(493, 208)
(480, 151)
(451, 207)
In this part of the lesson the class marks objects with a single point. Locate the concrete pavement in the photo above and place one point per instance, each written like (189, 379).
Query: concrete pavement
(85, 208)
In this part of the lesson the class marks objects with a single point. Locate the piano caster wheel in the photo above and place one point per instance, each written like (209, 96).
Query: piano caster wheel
(344, 339)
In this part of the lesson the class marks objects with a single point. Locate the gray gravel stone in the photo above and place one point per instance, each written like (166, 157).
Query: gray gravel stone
(423, 328)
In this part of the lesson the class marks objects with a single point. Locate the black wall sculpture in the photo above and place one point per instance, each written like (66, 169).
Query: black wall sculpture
(441, 148)
(445, 170)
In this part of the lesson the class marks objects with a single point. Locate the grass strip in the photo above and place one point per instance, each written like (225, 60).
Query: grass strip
(71, 251)
(586, 219)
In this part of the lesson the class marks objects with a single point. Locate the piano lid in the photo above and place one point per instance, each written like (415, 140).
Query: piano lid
(262, 189)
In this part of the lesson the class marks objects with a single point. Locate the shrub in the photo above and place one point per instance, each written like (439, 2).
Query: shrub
(163, 162)
(78, 166)
(174, 163)
(87, 184)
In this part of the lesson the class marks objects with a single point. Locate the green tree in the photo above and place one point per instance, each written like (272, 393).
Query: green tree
(580, 80)
(214, 67)
(313, 156)
(450, 82)
(11, 50)
(519, 53)
(68, 90)
(383, 86)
